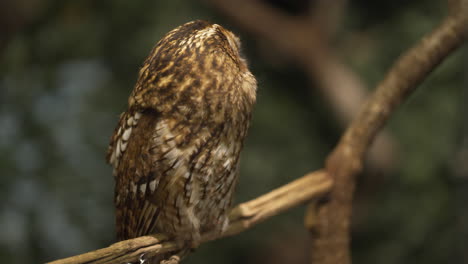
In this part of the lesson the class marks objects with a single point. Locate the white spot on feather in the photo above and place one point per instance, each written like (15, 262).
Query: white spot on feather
(193, 219)
(173, 154)
(152, 185)
(123, 146)
(117, 149)
(195, 196)
(112, 158)
(137, 115)
(206, 32)
(130, 121)
(143, 188)
(133, 188)
(127, 133)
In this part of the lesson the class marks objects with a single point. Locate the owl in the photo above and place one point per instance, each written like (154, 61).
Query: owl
(175, 151)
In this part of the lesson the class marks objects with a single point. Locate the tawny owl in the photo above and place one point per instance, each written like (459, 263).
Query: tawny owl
(175, 151)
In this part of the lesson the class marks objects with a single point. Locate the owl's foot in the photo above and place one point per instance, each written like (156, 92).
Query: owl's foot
(172, 260)
(142, 258)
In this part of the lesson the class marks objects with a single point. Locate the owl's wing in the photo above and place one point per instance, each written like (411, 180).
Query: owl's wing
(131, 156)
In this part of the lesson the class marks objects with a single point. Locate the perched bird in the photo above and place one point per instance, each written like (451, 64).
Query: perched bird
(175, 151)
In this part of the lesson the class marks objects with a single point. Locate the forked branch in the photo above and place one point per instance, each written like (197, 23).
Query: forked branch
(331, 234)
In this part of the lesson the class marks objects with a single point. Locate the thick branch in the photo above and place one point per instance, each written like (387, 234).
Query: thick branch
(125, 251)
(311, 186)
(331, 233)
(244, 216)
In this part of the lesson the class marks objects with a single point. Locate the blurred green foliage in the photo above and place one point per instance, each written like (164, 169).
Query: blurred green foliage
(67, 67)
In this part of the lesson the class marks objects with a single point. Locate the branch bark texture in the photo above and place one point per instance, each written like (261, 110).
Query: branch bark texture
(331, 235)
(244, 216)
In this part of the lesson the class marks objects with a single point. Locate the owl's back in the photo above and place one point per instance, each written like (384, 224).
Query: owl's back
(175, 151)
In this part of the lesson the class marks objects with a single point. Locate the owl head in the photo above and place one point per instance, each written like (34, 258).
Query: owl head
(193, 62)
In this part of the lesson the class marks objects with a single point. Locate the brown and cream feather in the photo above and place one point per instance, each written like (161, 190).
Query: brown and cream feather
(175, 151)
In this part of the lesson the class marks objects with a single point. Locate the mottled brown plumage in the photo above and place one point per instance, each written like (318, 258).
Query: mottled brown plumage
(175, 151)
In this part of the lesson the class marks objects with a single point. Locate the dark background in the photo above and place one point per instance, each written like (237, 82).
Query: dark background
(67, 68)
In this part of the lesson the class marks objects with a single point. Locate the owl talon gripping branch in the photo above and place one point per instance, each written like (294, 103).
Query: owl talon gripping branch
(175, 151)
(172, 260)
(141, 259)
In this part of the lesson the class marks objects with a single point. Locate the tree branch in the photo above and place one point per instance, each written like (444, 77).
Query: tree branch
(311, 186)
(331, 232)
(403, 78)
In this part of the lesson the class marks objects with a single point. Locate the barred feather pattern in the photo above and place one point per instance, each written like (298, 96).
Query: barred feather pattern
(175, 151)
